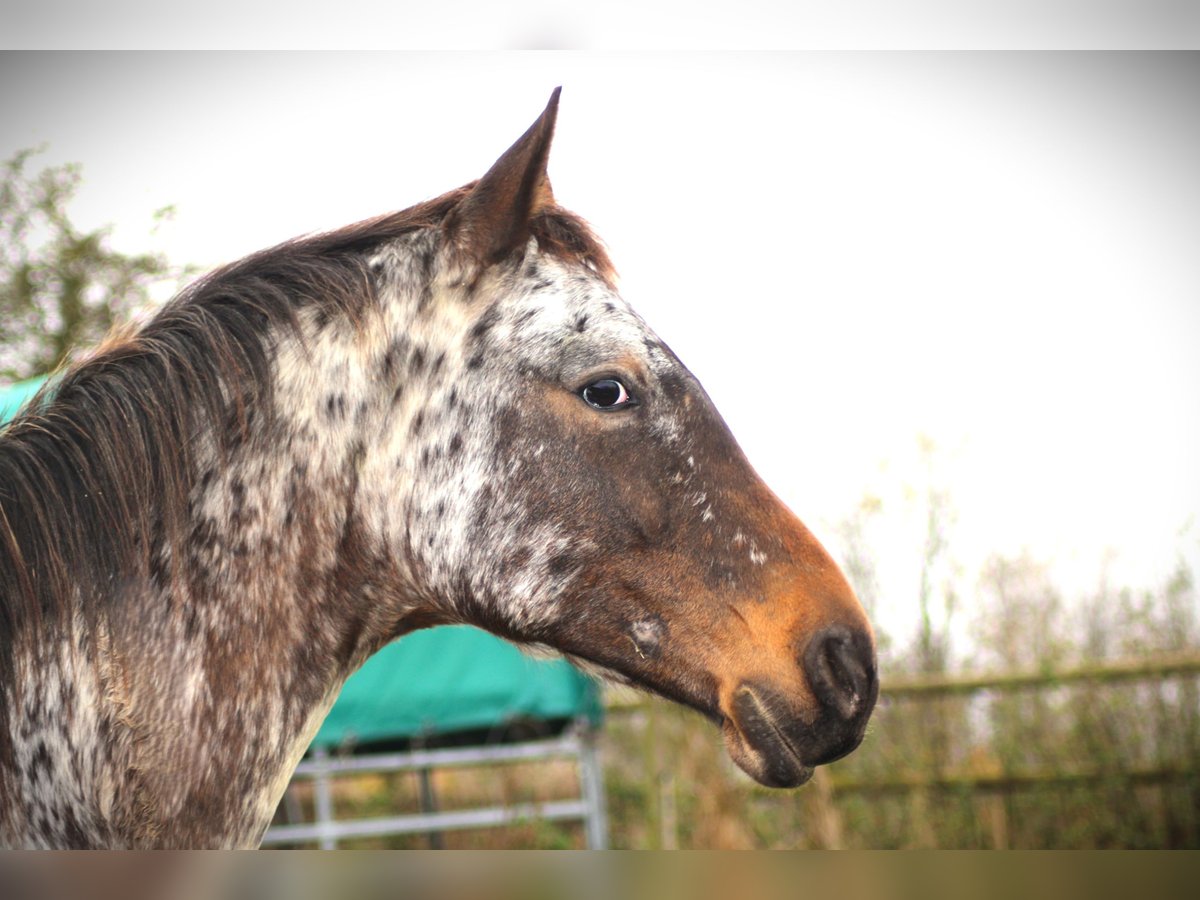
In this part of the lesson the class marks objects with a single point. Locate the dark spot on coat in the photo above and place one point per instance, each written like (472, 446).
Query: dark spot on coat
(560, 564)
(720, 576)
(191, 621)
(483, 506)
(486, 322)
(335, 406)
(41, 758)
(388, 365)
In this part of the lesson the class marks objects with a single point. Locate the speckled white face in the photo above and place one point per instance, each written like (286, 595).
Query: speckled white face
(519, 346)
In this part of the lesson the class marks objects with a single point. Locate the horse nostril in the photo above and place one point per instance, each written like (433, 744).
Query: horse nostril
(840, 665)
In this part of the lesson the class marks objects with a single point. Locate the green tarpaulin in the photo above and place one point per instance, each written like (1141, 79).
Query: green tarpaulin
(453, 679)
(437, 681)
(14, 396)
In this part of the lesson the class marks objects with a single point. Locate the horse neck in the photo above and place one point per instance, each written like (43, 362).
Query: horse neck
(289, 592)
(213, 668)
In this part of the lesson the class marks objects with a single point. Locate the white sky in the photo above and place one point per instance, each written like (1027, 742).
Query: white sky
(1000, 252)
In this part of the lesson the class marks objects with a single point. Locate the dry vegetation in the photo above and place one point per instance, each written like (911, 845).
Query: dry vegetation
(1105, 760)
(1101, 761)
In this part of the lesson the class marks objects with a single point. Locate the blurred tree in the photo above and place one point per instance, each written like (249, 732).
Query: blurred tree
(60, 288)
(1021, 622)
(933, 644)
(857, 555)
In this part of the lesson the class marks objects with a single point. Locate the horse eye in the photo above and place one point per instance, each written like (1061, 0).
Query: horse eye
(606, 394)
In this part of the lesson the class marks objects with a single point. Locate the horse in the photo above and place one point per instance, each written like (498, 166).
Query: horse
(446, 414)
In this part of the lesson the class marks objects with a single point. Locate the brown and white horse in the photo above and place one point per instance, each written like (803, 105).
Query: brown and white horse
(443, 415)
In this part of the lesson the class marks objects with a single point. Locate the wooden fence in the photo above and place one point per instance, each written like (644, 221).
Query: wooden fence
(987, 785)
(930, 687)
(1160, 666)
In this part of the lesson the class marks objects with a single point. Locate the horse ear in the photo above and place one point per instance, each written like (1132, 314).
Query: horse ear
(493, 219)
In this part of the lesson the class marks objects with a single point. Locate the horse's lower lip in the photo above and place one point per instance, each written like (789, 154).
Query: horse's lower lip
(760, 748)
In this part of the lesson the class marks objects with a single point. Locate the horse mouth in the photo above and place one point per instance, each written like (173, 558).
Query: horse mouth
(759, 746)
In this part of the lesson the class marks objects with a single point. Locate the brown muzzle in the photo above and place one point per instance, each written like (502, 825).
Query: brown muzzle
(777, 736)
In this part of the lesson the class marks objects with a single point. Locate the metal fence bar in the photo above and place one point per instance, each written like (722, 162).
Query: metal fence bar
(323, 799)
(577, 743)
(486, 817)
(437, 840)
(591, 779)
(567, 745)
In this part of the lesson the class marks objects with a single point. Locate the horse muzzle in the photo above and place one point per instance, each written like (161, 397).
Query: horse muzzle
(778, 740)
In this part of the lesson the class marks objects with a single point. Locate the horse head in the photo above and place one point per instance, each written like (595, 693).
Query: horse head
(553, 473)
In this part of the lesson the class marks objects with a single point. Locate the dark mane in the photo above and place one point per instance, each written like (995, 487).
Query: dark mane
(96, 472)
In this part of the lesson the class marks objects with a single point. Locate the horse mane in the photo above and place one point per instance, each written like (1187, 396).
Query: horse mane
(97, 470)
